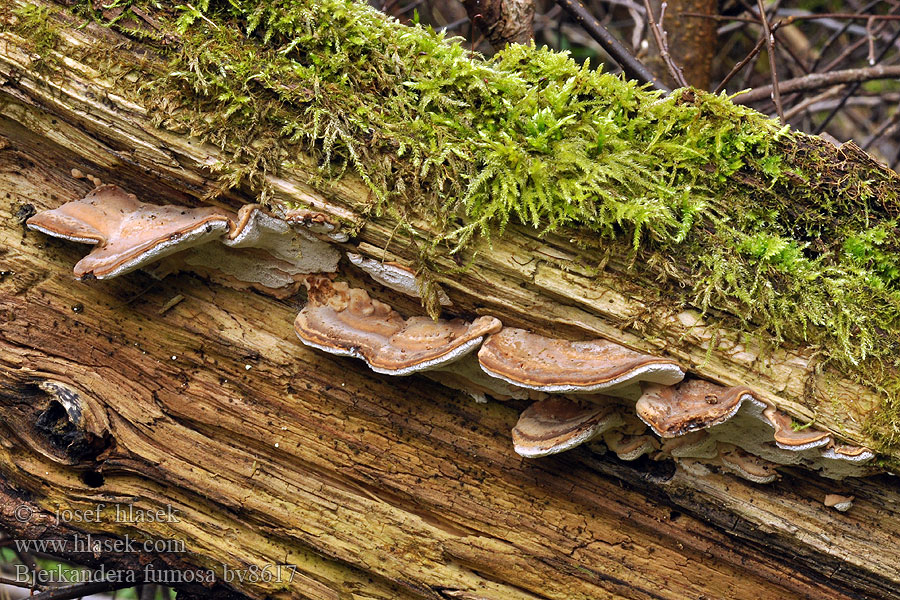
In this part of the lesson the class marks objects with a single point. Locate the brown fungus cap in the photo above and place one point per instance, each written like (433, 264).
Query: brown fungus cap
(395, 276)
(559, 366)
(629, 447)
(787, 438)
(128, 233)
(557, 424)
(839, 502)
(748, 466)
(691, 405)
(346, 321)
(849, 453)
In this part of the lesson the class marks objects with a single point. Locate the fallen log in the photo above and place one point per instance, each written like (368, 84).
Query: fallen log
(281, 461)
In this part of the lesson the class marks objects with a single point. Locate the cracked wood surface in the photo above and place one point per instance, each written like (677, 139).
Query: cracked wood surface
(511, 279)
(375, 487)
(378, 487)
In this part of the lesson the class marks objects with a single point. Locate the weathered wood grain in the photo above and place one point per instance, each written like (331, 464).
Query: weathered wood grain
(374, 487)
(548, 284)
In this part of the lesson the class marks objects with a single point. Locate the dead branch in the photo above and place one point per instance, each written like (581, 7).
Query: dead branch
(815, 81)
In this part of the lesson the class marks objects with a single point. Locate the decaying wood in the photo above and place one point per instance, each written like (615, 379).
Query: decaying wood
(371, 486)
(545, 284)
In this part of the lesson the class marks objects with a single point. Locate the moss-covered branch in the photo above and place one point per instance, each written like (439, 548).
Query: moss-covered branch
(730, 211)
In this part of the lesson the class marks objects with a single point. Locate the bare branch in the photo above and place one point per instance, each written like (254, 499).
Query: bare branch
(815, 81)
(632, 67)
(70, 592)
(770, 45)
(659, 35)
(853, 88)
(738, 67)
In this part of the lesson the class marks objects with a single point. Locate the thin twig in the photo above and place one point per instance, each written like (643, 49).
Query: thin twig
(839, 33)
(632, 67)
(802, 106)
(852, 89)
(770, 45)
(15, 582)
(659, 35)
(790, 19)
(409, 7)
(738, 67)
(70, 592)
(815, 81)
(849, 50)
(882, 129)
(870, 33)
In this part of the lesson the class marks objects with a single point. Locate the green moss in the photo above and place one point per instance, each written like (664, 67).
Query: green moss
(719, 204)
(35, 23)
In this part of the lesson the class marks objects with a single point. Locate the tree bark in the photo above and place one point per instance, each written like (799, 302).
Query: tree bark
(360, 485)
(503, 21)
(691, 40)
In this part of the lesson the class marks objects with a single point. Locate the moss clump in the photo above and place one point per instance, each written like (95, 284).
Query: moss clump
(790, 234)
(34, 23)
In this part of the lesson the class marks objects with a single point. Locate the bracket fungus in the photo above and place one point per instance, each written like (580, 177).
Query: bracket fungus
(856, 454)
(316, 222)
(557, 424)
(128, 234)
(466, 375)
(265, 252)
(256, 248)
(696, 445)
(346, 321)
(839, 502)
(746, 465)
(394, 276)
(559, 366)
(700, 423)
(627, 446)
(787, 438)
(688, 406)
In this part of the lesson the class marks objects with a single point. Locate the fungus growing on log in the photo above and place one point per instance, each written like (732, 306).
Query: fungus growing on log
(394, 276)
(787, 438)
(696, 444)
(552, 365)
(688, 406)
(316, 222)
(839, 502)
(259, 250)
(557, 424)
(627, 446)
(265, 252)
(466, 375)
(856, 454)
(128, 234)
(346, 321)
(748, 466)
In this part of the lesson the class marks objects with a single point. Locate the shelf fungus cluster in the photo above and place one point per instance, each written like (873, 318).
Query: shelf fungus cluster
(581, 392)
(251, 248)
